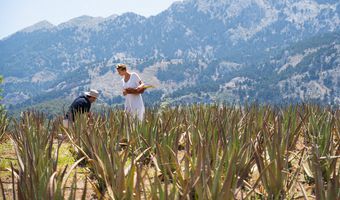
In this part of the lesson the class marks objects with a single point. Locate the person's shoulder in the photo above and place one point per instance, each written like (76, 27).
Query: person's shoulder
(81, 98)
(78, 98)
(134, 75)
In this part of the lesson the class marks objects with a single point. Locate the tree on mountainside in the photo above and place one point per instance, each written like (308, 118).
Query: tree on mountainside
(3, 117)
(1, 106)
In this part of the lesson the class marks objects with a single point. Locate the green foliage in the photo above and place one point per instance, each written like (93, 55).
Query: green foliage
(3, 117)
(51, 109)
(323, 164)
(37, 175)
(202, 152)
(1, 90)
(4, 122)
(184, 152)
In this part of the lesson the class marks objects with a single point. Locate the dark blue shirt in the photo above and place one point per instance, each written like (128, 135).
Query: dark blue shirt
(80, 105)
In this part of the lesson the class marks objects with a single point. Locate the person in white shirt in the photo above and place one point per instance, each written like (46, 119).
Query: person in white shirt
(132, 87)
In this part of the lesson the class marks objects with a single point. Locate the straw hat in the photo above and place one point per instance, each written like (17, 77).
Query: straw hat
(92, 93)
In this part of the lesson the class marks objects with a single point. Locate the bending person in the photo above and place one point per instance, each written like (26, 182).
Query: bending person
(82, 104)
(132, 87)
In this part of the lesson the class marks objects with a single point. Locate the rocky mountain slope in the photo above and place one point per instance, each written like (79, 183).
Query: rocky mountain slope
(195, 51)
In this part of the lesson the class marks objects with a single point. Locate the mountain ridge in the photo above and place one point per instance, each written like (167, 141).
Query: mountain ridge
(212, 41)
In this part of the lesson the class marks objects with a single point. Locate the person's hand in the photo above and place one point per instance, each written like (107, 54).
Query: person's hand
(137, 90)
(89, 114)
(125, 92)
(90, 118)
(140, 89)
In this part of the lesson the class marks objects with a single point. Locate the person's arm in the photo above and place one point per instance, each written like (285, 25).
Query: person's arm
(137, 90)
(140, 89)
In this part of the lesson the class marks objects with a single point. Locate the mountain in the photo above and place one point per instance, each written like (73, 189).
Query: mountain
(195, 51)
(305, 71)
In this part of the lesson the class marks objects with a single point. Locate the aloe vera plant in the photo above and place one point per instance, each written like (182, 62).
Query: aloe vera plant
(37, 175)
(323, 159)
(280, 134)
(113, 168)
(205, 152)
(4, 122)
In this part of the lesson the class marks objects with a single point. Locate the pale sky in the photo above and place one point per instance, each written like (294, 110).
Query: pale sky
(18, 14)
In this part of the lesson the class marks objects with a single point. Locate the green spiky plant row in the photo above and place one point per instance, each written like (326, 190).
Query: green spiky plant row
(198, 152)
(37, 175)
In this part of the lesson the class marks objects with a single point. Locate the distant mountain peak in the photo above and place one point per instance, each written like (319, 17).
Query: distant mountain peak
(132, 15)
(83, 21)
(111, 17)
(38, 26)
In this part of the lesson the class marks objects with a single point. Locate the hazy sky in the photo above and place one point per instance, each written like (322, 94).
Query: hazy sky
(18, 14)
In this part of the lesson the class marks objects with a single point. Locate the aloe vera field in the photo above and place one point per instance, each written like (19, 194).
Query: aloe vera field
(185, 152)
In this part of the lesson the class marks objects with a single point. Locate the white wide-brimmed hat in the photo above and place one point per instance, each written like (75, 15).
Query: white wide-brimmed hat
(92, 93)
